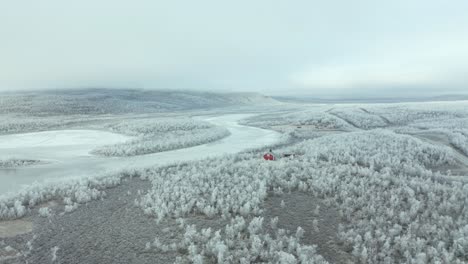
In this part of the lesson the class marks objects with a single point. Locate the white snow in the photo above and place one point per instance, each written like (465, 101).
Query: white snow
(44, 212)
(54, 253)
(62, 138)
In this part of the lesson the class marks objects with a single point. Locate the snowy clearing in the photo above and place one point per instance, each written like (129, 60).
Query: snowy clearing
(13, 228)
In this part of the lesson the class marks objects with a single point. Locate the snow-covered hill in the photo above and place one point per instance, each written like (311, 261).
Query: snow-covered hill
(115, 101)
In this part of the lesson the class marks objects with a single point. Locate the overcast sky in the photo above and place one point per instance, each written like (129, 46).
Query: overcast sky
(318, 48)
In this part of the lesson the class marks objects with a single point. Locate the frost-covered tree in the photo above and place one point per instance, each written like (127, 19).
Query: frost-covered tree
(157, 135)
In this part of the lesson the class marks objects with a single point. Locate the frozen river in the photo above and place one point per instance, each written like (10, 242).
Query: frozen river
(66, 152)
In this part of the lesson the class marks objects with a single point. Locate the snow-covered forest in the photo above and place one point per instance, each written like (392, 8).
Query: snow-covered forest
(389, 201)
(386, 183)
(121, 101)
(315, 118)
(157, 135)
(21, 123)
(12, 162)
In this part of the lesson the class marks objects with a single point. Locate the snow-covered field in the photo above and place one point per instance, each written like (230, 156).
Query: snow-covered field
(368, 183)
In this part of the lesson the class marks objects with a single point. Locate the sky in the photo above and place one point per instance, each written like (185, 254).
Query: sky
(298, 47)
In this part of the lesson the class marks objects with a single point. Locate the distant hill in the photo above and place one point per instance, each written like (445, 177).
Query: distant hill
(315, 100)
(117, 101)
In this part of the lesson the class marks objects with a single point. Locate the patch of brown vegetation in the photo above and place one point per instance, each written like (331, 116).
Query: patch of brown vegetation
(14, 228)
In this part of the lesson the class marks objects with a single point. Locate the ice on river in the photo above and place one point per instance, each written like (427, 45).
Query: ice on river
(41, 142)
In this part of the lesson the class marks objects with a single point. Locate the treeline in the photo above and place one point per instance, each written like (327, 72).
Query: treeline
(160, 134)
(14, 163)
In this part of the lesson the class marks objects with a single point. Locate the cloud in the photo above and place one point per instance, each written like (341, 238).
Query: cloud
(426, 60)
(272, 47)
